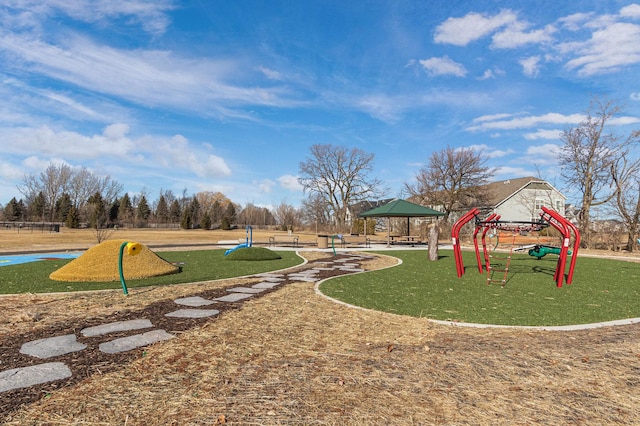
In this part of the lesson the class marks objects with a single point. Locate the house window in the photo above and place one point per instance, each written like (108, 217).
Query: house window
(559, 205)
(539, 204)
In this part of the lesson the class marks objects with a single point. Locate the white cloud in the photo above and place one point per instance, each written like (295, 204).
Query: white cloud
(631, 11)
(10, 171)
(150, 14)
(488, 74)
(625, 120)
(492, 117)
(114, 146)
(574, 22)
(443, 66)
(116, 131)
(542, 154)
(512, 171)
(491, 152)
(290, 182)
(543, 134)
(515, 35)
(198, 84)
(635, 96)
(551, 118)
(530, 66)
(610, 48)
(471, 27)
(381, 106)
(270, 74)
(265, 186)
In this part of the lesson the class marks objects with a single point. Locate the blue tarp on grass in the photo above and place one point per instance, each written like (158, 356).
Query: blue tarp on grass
(26, 258)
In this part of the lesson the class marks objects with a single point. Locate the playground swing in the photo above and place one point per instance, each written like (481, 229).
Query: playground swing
(491, 227)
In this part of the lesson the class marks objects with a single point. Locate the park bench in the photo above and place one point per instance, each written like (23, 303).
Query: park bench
(406, 239)
(355, 240)
(282, 240)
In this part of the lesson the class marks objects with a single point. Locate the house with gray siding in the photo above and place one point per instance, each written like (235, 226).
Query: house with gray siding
(522, 199)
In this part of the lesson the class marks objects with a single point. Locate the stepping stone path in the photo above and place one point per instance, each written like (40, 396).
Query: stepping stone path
(54, 346)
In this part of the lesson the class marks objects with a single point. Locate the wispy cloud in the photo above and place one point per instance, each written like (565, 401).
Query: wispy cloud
(608, 49)
(443, 66)
(151, 15)
(471, 27)
(114, 145)
(146, 77)
(290, 182)
(530, 66)
(551, 118)
(543, 134)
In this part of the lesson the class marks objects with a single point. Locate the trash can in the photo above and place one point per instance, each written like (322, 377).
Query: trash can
(323, 241)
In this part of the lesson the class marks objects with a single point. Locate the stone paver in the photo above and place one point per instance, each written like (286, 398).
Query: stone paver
(266, 285)
(52, 346)
(33, 375)
(194, 301)
(115, 327)
(128, 343)
(247, 290)
(233, 297)
(192, 313)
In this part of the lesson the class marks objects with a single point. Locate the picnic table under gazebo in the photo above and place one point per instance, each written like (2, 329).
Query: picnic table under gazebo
(400, 208)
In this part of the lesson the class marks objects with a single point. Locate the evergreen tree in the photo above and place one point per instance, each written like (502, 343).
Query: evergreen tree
(37, 209)
(230, 214)
(63, 205)
(186, 221)
(114, 210)
(205, 222)
(13, 210)
(143, 211)
(72, 220)
(162, 211)
(97, 211)
(175, 212)
(225, 224)
(194, 210)
(125, 211)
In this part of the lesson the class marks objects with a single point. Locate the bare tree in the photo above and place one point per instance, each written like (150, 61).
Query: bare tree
(340, 176)
(287, 216)
(316, 212)
(626, 177)
(80, 185)
(588, 158)
(452, 179)
(52, 183)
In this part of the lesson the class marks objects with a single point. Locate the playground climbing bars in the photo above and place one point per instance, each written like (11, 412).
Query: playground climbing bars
(493, 222)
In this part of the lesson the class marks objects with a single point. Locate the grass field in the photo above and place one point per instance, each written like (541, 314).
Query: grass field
(602, 290)
(197, 265)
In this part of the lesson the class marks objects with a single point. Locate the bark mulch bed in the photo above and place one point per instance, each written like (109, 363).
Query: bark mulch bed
(295, 357)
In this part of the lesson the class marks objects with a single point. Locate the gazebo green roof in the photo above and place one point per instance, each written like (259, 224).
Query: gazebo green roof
(401, 208)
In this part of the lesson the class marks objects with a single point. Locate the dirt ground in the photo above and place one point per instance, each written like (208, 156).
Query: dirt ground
(295, 357)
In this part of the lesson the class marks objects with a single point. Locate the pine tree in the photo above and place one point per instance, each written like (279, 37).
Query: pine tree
(205, 222)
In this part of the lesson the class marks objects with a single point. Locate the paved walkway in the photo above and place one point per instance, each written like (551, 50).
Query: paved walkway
(143, 332)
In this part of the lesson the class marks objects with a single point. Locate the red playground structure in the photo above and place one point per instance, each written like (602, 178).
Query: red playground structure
(492, 223)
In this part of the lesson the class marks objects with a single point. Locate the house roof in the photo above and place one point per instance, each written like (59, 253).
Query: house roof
(501, 191)
(401, 208)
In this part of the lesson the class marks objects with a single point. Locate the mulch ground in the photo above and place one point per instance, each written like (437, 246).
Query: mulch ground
(91, 361)
(294, 357)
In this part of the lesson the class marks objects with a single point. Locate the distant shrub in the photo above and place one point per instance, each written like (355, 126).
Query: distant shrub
(253, 253)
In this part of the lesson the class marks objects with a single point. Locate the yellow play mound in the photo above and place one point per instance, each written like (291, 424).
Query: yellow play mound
(100, 263)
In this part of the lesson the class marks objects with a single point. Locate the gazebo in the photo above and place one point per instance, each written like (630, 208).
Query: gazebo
(399, 208)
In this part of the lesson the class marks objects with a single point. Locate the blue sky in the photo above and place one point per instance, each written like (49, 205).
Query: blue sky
(228, 96)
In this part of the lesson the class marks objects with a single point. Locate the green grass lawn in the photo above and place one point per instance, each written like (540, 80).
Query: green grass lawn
(197, 265)
(602, 290)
